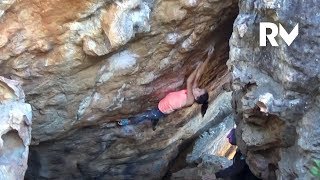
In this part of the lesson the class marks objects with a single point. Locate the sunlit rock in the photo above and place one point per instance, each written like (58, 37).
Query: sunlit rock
(15, 130)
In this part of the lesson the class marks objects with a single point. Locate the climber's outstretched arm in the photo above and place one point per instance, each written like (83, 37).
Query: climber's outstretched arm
(202, 67)
(190, 82)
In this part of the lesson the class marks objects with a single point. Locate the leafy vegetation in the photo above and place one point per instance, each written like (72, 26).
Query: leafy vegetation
(315, 170)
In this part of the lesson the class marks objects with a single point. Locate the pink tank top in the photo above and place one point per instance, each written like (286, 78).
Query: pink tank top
(173, 101)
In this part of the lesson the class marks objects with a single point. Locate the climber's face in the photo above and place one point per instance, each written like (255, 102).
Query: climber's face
(197, 92)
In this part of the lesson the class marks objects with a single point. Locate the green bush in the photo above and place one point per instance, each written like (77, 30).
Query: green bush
(315, 170)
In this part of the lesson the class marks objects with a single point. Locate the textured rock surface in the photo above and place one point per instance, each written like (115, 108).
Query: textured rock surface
(210, 150)
(131, 152)
(209, 165)
(85, 64)
(214, 142)
(62, 53)
(15, 130)
(277, 88)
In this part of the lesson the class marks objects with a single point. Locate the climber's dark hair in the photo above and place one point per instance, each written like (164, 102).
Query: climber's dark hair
(203, 99)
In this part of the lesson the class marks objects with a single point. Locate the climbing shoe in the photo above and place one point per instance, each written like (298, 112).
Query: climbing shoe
(154, 123)
(123, 122)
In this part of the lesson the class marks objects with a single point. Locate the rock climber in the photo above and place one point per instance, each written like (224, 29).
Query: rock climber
(178, 99)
